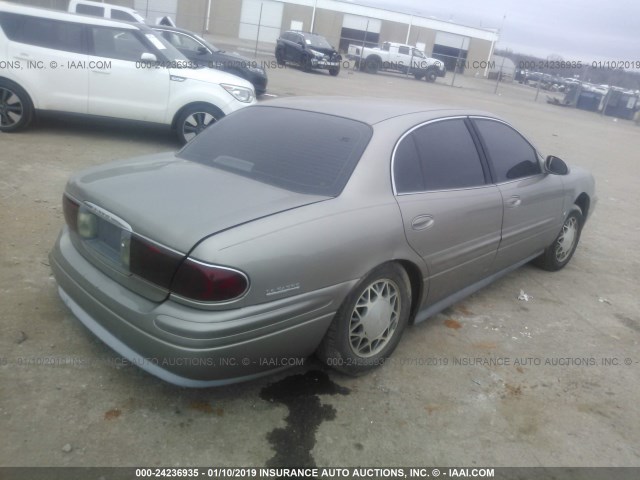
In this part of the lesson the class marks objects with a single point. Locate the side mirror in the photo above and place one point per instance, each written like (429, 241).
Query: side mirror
(555, 166)
(148, 58)
(202, 50)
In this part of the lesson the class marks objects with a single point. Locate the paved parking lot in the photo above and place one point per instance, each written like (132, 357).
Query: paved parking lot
(492, 381)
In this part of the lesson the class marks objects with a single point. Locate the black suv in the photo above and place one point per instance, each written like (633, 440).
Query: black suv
(309, 50)
(202, 53)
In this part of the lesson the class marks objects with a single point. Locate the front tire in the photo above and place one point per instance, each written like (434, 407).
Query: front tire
(334, 71)
(194, 119)
(368, 325)
(16, 109)
(431, 76)
(279, 57)
(307, 66)
(557, 255)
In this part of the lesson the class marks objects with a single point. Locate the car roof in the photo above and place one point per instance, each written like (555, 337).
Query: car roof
(64, 16)
(370, 110)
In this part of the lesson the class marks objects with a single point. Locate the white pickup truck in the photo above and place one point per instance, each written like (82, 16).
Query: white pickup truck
(396, 57)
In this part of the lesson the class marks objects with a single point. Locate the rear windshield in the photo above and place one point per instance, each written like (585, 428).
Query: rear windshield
(300, 151)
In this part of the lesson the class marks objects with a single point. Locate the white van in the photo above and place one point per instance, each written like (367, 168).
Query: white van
(105, 10)
(61, 62)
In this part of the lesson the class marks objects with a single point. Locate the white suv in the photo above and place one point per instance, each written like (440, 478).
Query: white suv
(62, 62)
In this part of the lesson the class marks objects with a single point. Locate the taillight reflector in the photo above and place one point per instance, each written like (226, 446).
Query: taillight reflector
(208, 283)
(152, 262)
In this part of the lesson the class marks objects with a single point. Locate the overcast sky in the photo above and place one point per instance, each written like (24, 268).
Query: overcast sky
(574, 29)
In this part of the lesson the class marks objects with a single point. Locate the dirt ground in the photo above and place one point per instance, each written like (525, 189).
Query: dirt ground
(562, 390)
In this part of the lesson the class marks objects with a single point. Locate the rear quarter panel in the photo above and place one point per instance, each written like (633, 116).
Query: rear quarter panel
(322, 244)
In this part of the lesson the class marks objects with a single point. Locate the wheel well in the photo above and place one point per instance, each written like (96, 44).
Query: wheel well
(583, 202)
(7, 80)
(373, 58)
(417, 286)
(194, 104)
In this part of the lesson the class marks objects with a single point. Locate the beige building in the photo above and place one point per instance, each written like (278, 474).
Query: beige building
(342, 23)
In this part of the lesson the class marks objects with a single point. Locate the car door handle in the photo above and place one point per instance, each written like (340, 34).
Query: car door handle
(514, 201)
(102, 72)
(422, 222)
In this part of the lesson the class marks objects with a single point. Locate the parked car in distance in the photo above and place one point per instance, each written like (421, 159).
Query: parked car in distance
(306, 225)
(60, 62)
(397, 57)
(105, 10)
(203, 53)
(309, 50)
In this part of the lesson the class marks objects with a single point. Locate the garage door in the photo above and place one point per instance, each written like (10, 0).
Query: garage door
(359, 30)
(261, 19)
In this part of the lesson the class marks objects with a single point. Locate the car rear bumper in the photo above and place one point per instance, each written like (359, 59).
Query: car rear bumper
(189, 347)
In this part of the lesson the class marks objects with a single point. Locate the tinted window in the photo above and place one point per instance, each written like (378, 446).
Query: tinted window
(11, 25)
(315, 154)
(120, 15)
(117, 43)
(407, 171)
(44, 33)
(511, 155)
(90, 10)
(448, 155)
(181, 41)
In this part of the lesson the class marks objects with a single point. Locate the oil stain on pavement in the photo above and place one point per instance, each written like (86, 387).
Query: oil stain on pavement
(300, 394)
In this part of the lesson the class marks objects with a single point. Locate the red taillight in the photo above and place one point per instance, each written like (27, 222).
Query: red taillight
(208, 283)
(152, 262)
(70, 208)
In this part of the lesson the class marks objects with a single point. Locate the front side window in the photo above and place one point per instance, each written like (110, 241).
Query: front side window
(315, 154)
(181, 41)
(437, 156)
(117, 43)
(404, 50)
(511, 155)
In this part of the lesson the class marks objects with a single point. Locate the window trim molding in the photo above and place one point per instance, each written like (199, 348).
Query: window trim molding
(539, 156)
(413, 129)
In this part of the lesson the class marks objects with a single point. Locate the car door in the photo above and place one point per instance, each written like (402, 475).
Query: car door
(53, 55)
(451, 212)
(129, 88)
(532, 200)
(403, 58)
(296, 48)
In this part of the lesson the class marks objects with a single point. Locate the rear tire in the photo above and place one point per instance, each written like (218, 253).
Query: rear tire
(372, 65)
(368, 325)
(557, 255)
(334, 71)
(194, 119)
(16, 108)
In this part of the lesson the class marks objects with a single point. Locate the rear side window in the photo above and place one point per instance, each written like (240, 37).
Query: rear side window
(43, 32)
(90, 10)
(511, 155)
(448, 158)
(300, 151)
